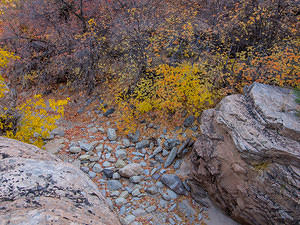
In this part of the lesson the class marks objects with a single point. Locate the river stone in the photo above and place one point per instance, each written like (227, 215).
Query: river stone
(111, 134)
(114, 185)
(171, 157)
(130, 170)
(174, 183)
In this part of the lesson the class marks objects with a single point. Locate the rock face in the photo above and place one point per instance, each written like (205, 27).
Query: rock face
(248, 156)
(38, 188)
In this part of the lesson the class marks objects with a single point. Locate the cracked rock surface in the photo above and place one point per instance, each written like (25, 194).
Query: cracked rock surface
(248, 156)
(38, 188)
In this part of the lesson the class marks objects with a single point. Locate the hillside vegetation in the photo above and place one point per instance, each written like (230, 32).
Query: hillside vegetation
(164, 57)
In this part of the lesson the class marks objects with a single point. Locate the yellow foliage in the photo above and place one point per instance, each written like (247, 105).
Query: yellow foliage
(36, 120)
(174, 89)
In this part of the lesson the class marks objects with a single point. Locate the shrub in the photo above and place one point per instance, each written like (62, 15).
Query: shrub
(173, 90)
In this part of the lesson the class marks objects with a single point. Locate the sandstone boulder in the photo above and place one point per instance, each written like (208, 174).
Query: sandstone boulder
(38, 188)
(248, 156)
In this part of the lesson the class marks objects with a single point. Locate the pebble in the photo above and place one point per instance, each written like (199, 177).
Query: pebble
(142, 144)
(114, 193)
(75, 149)
(128, 220)
(152, 190)
(151, 209)
(121, 154)
(171, 157)
(111, 134)
(108, 173)
(116, 176)
(139, 212)
(106, 164)
(85, 169)
(97, 168)
(124, 194)
(136, 179)
(120, 201)
(92, 174)
(120, 163)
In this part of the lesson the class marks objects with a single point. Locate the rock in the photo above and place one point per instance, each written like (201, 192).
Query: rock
(40, 188)
(171, 143)
(120, 163)
(106, 164)
(250, 148)
(171, 157)
(92, 174)
(182, 147)
(152, 190)
(136, 192)
(97, 168)
(85, 169)
(130, 170)
(174, 183)
(121, 154)
(156, 151)
(84, 157)
(109, 112)
(151, 209)
(165, 153)
(108, 173)
(58, 132)
(114, 185)
(75, 149)
(185, 208)
(92, 130)
(114, 194)
(86, 146)
(172, 194)
(111, 134)
(120, 201)
(126, 142)
(134, 137)
(128, 220)
(177, 164)
(142, 144)
(55, 146)
(139, 212)
(116, 176)
(136, 179)
(189, 121)
(124, 194)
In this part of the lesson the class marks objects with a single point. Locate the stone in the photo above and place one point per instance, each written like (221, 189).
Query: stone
(85, 169)
(189, 121)
(92, 130)
(86, 146)
(185, 207)
(120, 201)
(124, 194)
(106, 164)
(126, 142)
(165, 153)
(109, 112)
(136, 179)
(139, 212)
(111, 134)
(171, 157)
(97, 168)
(84, 157)
(172, 194)
(116, 176)
(108, 173)
(142, 144)
(40, 188)
(92, 174)
(128, 220)
(136, 192)
(75, 149)
(184, 145)
(134, 137)
(177, 164)
(58, 132)
(121, 154)
(152, 190)
(114, 185)
(120, 163)
(130, 170)
(114, 194)
(151, 209)
(55, 146)
(174, 183)
(171, 143)
(250, 146)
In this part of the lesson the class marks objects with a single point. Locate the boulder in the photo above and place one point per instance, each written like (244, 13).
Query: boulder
(38, 188)
(248, 156)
